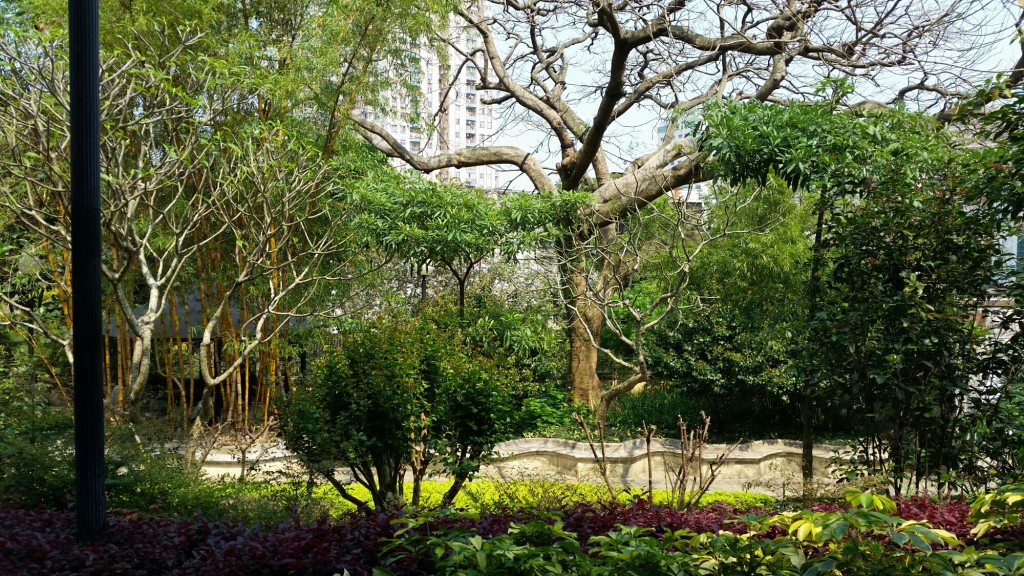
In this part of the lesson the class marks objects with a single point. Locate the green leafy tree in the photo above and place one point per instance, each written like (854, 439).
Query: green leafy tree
(642, 282)
(450, 226)
(890, 299)
(176, 181)
(734, 355)
(743, 378)
(312, 62)
(523, 339)
(359, 411)
(997, 414)
(908, 267)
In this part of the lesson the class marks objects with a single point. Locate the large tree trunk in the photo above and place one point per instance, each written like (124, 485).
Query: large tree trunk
(584, 315)
(585, 324)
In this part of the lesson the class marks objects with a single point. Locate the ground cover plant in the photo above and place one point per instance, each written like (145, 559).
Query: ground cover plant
(867, 535)
(478, 497)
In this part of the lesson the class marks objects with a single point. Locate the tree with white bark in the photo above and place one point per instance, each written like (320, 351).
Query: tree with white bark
(185, 169)
(281, 206)
(153, 147)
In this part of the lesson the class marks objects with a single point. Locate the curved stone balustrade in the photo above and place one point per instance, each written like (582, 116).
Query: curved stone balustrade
(761, 466)
(758, 466)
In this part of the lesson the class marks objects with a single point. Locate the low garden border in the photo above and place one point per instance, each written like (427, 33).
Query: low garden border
(771, 466)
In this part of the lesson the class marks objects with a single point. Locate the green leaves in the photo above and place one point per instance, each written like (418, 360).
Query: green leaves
(814, 146)
(907, 248)
(449, 224)
(861, 540)
(1002, 507)
(399, 392)
(869, 501)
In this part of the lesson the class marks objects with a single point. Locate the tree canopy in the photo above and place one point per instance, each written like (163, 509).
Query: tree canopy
(582, 71)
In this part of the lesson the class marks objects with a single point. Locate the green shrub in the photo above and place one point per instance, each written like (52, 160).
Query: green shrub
(36, 450)
(535, 547)
(522, 341)
(37, 471)
(399, 393)
(489, 495)
(739, 500)
(999, 508)
(866, 539)
(263, 502)
(656, 406)
(549, 408)
(741, 376)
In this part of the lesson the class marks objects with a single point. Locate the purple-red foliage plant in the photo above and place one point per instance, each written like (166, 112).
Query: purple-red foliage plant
(41, 542)
(37, 542)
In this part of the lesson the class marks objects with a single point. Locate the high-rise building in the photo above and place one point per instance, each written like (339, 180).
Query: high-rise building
(451, 107)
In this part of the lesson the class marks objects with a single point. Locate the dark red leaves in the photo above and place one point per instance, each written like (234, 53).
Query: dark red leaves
(39, 542)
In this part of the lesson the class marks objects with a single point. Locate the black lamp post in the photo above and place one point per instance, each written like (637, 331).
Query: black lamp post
(84, 48)
(424, 274)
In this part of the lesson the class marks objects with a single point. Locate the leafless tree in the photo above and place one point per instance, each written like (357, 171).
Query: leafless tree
(586, 72)
(180, 174)
(152, 149)
(278, 203)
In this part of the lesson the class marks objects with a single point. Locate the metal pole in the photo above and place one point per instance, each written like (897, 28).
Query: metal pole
(84, 46)
(424, 272)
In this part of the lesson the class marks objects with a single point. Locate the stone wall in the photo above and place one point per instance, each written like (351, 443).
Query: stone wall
(771, 466)
(758, 466)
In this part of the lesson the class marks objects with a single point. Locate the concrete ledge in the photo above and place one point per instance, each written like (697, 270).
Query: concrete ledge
(771, 466)
(765, 465)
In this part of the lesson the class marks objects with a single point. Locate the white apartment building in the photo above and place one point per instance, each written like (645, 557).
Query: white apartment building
(462, 121)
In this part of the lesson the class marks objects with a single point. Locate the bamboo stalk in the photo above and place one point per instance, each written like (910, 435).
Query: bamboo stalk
(107, 384)
(169, 360)
(176, 340)
(187, 352)
(263, 390)
(233, 384)
(115, 256)
(121, 357)
(275, 279)
(62, 293)
(243, 316)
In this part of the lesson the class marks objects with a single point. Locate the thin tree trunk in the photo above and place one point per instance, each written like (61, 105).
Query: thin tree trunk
(122, 358)
(810, 385)
(107, 382)
(176, 339)
(167, 368)
(242, 297)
